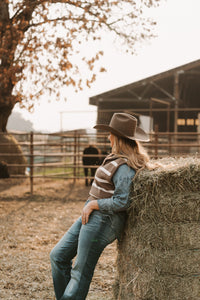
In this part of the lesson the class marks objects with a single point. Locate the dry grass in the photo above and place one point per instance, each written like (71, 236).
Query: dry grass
(30, 227)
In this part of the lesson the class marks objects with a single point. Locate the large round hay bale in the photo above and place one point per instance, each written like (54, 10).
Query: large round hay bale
(159, 256)
(11, 153)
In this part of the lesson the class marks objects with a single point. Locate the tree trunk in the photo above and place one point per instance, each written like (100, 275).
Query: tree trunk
(5, 111)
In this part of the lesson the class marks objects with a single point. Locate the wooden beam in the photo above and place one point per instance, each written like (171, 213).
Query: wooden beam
(160, 101)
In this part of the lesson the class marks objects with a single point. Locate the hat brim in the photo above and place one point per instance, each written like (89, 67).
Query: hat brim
(140, 134)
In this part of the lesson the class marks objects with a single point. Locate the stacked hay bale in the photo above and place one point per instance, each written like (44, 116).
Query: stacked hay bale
(11, 153)
(159, 256)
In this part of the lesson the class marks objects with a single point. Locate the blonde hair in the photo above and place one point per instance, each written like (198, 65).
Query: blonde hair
(136, 155)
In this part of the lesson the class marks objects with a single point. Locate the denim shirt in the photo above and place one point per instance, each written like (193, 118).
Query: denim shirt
(120, 200)
(115, 207)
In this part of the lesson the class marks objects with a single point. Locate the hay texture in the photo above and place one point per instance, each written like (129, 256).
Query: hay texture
(11, 153)
(159, 256)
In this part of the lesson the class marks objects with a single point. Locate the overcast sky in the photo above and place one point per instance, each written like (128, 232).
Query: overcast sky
(178, 42)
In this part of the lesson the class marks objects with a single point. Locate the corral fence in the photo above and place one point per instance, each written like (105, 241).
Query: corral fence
(60, 155)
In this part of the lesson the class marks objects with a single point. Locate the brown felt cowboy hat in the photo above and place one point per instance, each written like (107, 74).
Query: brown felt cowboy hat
(124, 125)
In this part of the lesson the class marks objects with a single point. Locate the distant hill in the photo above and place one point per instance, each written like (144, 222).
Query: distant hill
(17, 123)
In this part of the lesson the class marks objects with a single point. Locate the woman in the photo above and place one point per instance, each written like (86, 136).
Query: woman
(104, 214)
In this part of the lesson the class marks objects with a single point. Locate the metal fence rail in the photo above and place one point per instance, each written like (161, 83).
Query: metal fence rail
(60, 155)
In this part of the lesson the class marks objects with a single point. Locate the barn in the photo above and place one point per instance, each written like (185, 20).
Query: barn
(170, 100)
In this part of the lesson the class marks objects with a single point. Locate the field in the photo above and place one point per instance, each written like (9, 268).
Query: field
(30, 227)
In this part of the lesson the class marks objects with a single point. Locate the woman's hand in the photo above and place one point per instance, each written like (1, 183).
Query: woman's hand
(87, 210)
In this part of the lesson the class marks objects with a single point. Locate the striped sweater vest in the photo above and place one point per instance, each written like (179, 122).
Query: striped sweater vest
(103, 186)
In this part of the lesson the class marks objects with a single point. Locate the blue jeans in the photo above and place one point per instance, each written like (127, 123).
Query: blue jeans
(87, 242)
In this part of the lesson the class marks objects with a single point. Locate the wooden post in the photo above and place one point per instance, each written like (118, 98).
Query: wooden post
(151, 115)
(156, 142)
(168, 117)
(176, 96)
(168, 129)
(31, 162)
(75, 150)
(78, 156)
(44, 157)
(169, 145)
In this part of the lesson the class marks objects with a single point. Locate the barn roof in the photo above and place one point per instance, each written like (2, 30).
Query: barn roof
(181, 83)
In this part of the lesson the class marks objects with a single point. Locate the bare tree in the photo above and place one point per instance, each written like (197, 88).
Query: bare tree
(38, 39)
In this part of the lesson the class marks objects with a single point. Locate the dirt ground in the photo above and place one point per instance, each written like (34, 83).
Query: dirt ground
(30, 227)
